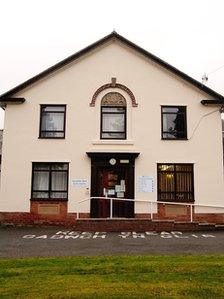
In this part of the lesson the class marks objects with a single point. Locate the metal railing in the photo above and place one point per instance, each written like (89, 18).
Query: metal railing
(151, 203)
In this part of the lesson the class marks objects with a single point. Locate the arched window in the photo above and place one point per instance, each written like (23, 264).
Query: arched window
(113, 116)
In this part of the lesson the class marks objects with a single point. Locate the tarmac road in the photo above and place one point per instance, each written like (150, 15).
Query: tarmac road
(45, 242)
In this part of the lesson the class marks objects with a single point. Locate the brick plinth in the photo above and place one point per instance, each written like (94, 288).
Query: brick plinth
(209, 217)
(61, 214)
(41, 213)
(143, 216)
(197, 217)
(27, 219)
(184, 215)
(56, 214)
(84, 215)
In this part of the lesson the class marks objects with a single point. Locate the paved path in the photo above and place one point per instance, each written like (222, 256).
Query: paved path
(28, 242)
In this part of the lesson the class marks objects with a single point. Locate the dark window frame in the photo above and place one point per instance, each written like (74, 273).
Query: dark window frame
(64, 124)
(175, 180)
(185, 121)
(50, 181)
(125, 123)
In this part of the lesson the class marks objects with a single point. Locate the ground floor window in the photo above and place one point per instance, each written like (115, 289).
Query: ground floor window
(175, 182)
(50, 181)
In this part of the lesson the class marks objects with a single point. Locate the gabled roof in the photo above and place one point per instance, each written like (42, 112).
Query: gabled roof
(114, 35)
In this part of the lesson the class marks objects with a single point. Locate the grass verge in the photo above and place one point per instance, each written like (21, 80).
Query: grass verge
(113, 277)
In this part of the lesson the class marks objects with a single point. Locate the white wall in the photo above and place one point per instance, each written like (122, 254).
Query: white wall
(1, 118)
(74, 85)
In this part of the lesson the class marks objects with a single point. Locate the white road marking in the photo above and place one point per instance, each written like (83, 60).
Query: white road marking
(29, 236)
(86, 235)
(125, 235)
(151, 233)
(42, 237)
(138, 235)
(165, 235)
(179, 235)
(100, 235)
(195, 236)
(56, 237)
(208, 236)
(72, 235)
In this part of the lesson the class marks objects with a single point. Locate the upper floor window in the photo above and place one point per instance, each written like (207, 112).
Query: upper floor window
(50, 181)
(52, 121)
(175, 182)
(174, 122)
(113, 116)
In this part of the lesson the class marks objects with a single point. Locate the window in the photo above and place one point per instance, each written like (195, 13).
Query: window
(113, 116)
(174, 124)
(175, 182)
(52, 121)
(50, 181)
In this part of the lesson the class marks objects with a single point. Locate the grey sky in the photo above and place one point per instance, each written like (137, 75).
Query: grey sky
(36, 34)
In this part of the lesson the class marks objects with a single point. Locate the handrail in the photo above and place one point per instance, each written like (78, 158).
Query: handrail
(113, 198)
(191, 205)
(150, 201)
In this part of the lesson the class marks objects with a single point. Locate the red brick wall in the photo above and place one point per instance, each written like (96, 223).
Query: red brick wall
(198, 217)
(69, 219)
(211, 218)
(63, 209)
(34, 218)
(162, 214)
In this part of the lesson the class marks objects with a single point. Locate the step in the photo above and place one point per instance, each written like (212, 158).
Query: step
(206, 226)
(119, 225)
(139, 225)
(219, 226)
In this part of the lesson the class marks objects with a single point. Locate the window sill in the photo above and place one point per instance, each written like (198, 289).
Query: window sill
(51, 137)
(49, 199)
(191, 201)
(113, 142)
(177, 139)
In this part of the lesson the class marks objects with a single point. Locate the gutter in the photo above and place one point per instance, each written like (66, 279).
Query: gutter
(4, 101)
(212, 102)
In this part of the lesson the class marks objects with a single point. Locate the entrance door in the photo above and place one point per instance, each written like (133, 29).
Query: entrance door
(112, 174)
(113, 183)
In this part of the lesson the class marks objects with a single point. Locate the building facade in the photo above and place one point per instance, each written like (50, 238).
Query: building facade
(1, 138)
(111, 121)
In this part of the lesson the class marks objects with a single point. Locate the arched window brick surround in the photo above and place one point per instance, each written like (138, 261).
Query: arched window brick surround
(113, 99)
(113, 84)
